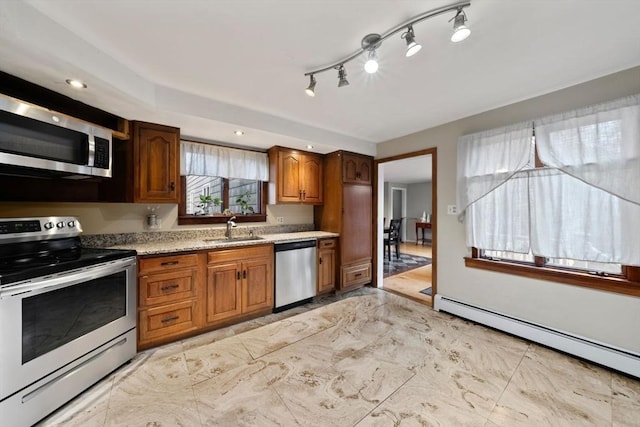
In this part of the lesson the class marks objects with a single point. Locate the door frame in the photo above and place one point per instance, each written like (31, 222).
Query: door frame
(378, 196)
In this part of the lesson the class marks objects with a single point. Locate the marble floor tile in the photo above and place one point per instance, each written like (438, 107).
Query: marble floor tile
(210, 360)
(553, 389)
(626, 401)
(177, 408)
(366, 358)
(242, 397)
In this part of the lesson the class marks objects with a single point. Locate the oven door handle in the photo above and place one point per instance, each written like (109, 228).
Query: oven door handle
(65, 279)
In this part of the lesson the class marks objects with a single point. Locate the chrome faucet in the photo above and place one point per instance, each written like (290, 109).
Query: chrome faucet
(230, 223)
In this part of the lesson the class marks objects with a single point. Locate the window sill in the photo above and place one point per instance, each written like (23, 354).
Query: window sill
(615, 284)
(219, 219)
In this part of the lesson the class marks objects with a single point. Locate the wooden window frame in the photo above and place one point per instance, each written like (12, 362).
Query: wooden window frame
(185, 219)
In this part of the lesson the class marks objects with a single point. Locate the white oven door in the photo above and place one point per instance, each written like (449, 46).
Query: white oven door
(49, 322)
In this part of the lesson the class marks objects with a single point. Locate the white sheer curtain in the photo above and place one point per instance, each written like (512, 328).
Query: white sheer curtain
(583, 205)
(488, 195)
(587, 207)
(211, 160)
(488, 159)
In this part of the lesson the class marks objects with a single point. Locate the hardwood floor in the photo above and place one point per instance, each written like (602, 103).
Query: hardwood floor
(410, 283)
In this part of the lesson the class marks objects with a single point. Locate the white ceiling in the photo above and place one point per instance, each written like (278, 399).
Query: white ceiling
(211, 67)
(407, 171)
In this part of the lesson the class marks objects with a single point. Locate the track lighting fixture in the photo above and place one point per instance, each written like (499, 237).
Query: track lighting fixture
(342, 77)
(371, 43)
(410, 38)
(311, 89)
(460, 31)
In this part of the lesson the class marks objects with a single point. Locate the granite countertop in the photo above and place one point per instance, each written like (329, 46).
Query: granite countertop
(173, 246)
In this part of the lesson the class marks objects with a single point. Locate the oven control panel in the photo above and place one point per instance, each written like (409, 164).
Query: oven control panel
(50, 227)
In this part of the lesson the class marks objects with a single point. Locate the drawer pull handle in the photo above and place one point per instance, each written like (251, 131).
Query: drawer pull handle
(358, 274)
(169, 287)
(320, 260)
(170, 319)
(166, 263)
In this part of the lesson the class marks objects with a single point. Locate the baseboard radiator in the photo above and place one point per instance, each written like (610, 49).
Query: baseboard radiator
(603, 354)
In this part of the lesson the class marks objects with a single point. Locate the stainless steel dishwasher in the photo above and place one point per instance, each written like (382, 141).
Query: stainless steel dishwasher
(295, 273)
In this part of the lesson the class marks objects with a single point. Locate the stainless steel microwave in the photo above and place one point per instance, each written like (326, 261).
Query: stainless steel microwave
(40, 142)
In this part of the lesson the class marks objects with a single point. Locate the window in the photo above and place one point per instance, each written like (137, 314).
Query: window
(218, 182)
(559, 206)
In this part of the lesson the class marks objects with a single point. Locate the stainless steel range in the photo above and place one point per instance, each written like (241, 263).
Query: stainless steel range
(67, 315)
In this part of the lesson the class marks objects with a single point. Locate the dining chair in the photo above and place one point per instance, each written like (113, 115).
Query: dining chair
(393, 238)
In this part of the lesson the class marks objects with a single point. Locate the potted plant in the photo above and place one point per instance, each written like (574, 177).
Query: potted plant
(243, 201)
(206, 201)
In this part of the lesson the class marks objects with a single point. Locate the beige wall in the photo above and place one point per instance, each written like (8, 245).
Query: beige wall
(108, 218)
(602, 316)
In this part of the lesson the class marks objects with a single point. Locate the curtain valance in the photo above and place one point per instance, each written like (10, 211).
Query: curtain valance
(210, 160)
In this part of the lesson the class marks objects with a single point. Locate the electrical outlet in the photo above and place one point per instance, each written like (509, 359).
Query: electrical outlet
(452, 210)
(280, 220)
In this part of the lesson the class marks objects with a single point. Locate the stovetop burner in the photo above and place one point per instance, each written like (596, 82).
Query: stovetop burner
(37, 247)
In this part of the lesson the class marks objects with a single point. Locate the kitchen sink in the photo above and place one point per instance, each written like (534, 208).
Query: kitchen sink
(234, 239)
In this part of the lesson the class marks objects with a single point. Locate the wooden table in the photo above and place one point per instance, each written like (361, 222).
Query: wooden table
(421, 226)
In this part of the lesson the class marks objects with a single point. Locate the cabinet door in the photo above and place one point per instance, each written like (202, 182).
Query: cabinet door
(290, 170)
(356, 169)
(364, 171)
(223, 299)
(356, 232)
(311, 184)
(326, 269)
(156, 162)
(257, 292)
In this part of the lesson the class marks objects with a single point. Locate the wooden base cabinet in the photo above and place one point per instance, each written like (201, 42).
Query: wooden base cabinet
(239, 282)
(347, 210)
(326, 265)
(168, 305)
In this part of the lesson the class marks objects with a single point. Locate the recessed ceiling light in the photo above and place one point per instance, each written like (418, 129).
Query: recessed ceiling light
(55, 119)
(309, 147)
(76, 84)
(238, 132)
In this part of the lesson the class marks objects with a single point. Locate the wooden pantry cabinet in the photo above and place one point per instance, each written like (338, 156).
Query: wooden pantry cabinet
(239, 282)
(168, 298)
(326, 265)
(347, 210)
(295, 176)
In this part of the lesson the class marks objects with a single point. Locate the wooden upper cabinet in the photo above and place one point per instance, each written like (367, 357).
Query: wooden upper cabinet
(295, 176)
(156, 161)
(356, 169)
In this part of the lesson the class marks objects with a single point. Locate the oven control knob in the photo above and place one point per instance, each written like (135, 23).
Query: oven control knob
(71, 224)
(60, 224)
(48, 225)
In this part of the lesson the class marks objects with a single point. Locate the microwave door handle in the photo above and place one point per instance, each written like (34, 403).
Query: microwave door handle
(64, 280)
(92, 150)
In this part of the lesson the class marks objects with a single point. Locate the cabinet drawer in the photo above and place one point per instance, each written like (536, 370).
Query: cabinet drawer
(162, 288)
(358, 274)
(237, 254)
(164, 263)
(167, 320)
(326, 243)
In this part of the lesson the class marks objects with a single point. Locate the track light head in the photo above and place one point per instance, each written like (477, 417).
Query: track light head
(371, 66)
(370, 43)
(311, 89)
(460, 30)
(342, 76)
(412, 46)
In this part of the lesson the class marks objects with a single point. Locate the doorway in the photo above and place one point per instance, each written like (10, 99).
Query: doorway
(406, 188)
